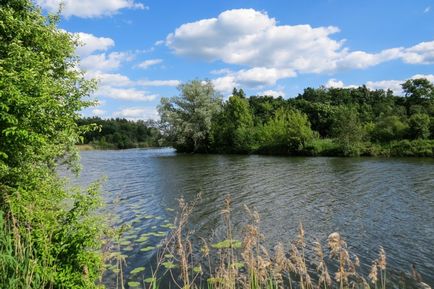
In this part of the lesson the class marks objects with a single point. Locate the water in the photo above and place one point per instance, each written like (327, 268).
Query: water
(370, 201)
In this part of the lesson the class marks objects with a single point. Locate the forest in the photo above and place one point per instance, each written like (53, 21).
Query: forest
(318, 122)
(120, 133)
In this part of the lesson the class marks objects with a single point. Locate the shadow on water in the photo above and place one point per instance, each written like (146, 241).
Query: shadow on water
(370, 201)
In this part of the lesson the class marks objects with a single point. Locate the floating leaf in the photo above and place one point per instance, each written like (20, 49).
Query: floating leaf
(125, 243)
(225, 244)
(238, 265)
(133, 284)
(168, 256)
(197, 269)
(168, 226)
(137, 270)
(147, 249)
(142, 239)
(150, 280)
(170, 209)
(168, 265)
(128, 249)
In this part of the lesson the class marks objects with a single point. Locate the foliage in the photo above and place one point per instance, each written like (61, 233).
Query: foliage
(322, 121)
(232, 129)
(120, 133)
(287, 132)
(47, 237)
(187, 118)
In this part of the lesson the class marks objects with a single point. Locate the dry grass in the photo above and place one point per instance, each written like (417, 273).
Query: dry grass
(247, 264)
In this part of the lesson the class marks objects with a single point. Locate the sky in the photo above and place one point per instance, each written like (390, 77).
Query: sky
(142, 50)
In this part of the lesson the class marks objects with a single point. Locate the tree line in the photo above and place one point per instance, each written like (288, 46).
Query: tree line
(319, 121)
(120, 133)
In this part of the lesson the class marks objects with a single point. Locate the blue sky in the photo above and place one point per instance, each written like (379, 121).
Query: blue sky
(141, 50)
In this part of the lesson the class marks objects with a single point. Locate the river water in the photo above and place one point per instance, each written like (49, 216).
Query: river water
(372, 202)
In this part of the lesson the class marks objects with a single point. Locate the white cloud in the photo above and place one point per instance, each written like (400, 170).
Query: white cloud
(91, 43)
(125, 93)
(148, 63)
(98, 112)
(252, 38)
(392, 84)
(253, 78)
(159, 82)
(89, 8)
(112, 79)
(104, 62)
(422, 53)
(273, 93)
(333, 83)
(136, 113)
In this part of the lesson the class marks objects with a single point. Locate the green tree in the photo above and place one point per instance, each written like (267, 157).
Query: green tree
(286, 133)
(348, 130)
(45, 242)
(186, 119)
(388, 128)
(233, 128)
(418, 92)
(419, 126)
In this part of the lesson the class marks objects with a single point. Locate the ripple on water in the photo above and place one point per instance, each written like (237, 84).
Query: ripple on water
(371, 201)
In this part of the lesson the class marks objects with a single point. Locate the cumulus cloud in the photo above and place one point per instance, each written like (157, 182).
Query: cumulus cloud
(104, 62)
(333, 83)
(125, 93)
(392, 84)
(253, 78)
(148, 63)
(273, 93)
(159, 82)
(89, 8)
(422, 53)
(91, 43)
(252, 38)
(136, 113)
(98, 112)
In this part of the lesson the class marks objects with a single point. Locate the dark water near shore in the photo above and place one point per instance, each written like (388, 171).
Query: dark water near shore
(370, 201)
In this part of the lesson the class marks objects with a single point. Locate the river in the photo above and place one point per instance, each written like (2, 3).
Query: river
(372, 202)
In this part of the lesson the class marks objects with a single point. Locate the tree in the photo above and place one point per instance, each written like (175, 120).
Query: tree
(347, 130)
(418, 92)
(186, 119)
(233, 127)
(419, 126)
(46, 243)
(287, 132)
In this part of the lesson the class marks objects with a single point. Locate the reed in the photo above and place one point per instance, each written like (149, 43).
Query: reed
(248, 264)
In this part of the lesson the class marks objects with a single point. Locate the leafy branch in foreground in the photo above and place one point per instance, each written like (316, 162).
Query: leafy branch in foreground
(48, 235)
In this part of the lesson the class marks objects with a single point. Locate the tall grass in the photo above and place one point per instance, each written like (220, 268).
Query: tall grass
(248, 264)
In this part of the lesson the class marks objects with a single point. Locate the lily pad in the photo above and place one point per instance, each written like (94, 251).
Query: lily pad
(150, 280)
(226, 244)
(147, 249)
(137, 270)
(169, 265)
(133, 284)
(197, 269)
(168, 226)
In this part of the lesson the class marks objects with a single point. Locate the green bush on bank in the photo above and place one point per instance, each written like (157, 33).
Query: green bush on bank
(48, 236)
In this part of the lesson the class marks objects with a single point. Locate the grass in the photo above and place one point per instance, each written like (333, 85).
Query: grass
(187, 262)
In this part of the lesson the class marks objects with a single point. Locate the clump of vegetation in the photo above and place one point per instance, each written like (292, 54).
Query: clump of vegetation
(323, 121)
(120, 133)
(48, 235)
(248, 264)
